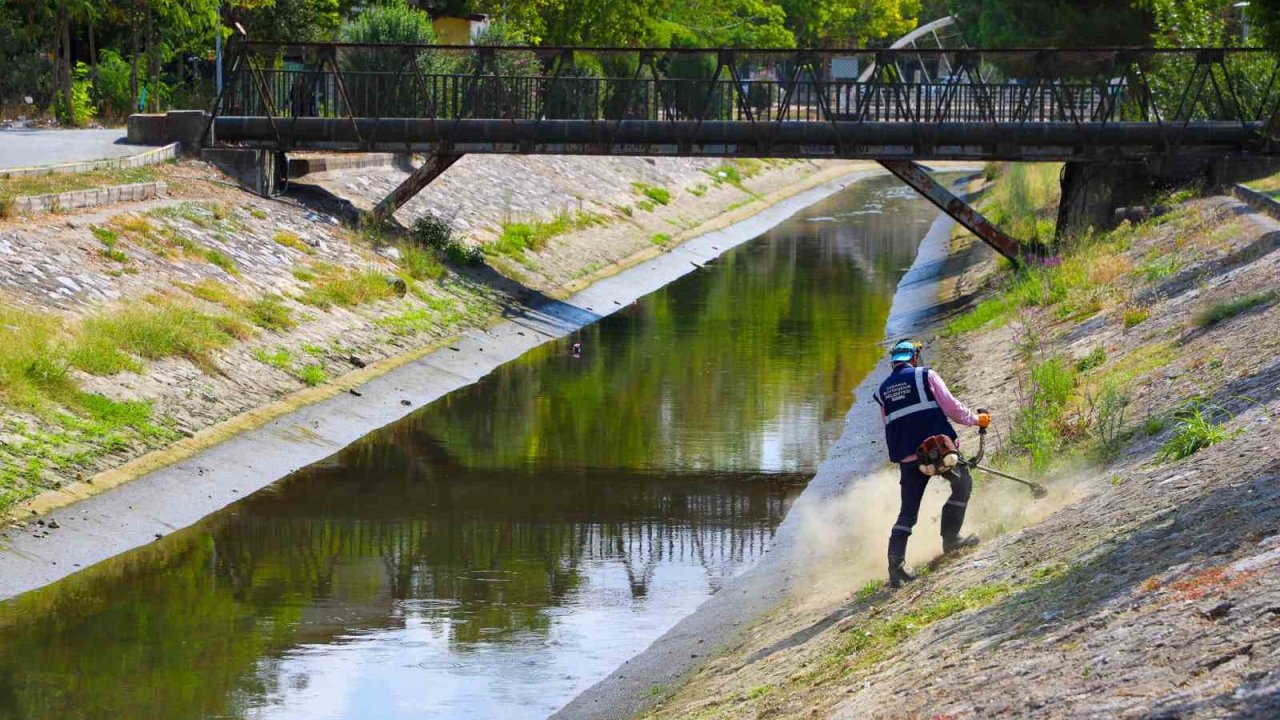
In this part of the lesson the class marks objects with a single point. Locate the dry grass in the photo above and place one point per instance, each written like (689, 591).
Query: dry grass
(67, 182)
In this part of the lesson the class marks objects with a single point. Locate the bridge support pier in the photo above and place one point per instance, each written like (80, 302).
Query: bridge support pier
(918, 178)
(435, 164)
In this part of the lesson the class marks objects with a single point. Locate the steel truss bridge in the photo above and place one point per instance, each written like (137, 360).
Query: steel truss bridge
(895, 106)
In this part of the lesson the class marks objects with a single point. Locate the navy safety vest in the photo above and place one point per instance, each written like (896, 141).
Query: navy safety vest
(911, 412)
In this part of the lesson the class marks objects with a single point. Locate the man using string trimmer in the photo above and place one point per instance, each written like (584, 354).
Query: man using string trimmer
(915, 405)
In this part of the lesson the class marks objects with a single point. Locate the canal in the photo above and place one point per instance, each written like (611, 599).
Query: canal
(504, 548)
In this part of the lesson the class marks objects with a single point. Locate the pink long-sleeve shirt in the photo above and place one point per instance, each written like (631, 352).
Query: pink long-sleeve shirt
(950, 406)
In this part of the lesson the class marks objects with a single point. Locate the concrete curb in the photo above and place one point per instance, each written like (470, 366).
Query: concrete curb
(1258, 201)
(150, 157)
(88, 198)
(302, 166)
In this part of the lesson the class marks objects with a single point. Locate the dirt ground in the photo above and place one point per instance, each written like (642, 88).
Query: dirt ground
(1140, 588)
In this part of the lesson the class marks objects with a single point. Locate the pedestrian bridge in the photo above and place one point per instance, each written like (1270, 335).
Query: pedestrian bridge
(915, 103)
(899, 105)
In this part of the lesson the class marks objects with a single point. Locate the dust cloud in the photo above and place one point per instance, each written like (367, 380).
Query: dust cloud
(845, 539)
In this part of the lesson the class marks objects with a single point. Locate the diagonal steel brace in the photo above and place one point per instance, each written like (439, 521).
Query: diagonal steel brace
(435, 165)
(918, 178)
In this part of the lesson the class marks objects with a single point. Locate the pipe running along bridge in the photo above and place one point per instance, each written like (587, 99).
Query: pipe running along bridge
(896, 106)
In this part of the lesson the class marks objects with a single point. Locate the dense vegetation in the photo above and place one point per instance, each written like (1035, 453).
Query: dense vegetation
(78, 59)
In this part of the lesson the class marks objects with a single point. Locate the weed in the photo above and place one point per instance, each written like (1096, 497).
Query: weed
(106, 236)
(280, 358)
(655, 194)
(759, 691)
(1161, 268)
(32, 367)
(292, 241)
(313, 375)
(259, 214)
(1154, 425)
(304, 274)
(270, 312)
(869, 588)
(115, 254)
(1226, 309)
(222, 261)
(627, 210)
(420, 264)
(1134, 316)
(660, 238)
(347, 289)
(726, 173)
(1095, 358)
(1036, 427)
(1109, 406)
(981, 315)
(1194, 432)
(646, 205)
(408, 322)
(216, 292)
(313, 350)
(150, 330)
(698, 190)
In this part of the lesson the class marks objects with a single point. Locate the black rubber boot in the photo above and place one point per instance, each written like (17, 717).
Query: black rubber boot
(898, 575)
(954, 543)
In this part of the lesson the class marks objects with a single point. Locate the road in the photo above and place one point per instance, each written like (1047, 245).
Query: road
(27, 148)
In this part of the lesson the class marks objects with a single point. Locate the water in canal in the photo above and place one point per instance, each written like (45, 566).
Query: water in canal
(503, 549)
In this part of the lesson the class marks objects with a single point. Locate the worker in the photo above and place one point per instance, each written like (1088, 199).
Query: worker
(914, 405)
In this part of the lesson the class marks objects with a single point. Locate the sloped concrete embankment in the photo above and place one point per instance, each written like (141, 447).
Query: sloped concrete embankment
(1146, 585)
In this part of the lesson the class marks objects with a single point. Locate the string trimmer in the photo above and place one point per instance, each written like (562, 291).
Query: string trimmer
(939, 454)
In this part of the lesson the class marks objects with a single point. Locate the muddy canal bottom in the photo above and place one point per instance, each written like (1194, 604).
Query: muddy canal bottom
(503, 549)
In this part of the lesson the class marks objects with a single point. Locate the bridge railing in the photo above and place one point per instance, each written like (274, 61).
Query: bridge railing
(449, 82)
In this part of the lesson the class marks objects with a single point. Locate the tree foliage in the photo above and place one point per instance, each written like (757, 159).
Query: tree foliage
(1053, 23)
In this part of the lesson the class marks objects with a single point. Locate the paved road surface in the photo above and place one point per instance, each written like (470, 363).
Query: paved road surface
(26, 148)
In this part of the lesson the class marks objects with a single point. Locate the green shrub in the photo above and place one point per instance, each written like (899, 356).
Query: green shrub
(660, 238)
(82, 108)
(1220, 311)
(432, 232)
(114, 93)
(468, 255)
(1194, 432)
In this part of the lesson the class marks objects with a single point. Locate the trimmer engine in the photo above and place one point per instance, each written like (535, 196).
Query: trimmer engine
(937, 455)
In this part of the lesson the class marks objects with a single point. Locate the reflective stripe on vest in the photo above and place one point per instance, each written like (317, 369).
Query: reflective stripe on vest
(924, 404)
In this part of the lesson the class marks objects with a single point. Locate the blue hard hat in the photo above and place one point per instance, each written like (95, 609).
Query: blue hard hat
(903, 351)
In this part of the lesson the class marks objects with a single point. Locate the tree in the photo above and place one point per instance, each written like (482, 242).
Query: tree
(849, 23)
(1053, 23)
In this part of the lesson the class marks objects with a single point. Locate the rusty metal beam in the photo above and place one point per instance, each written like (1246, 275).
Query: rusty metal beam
(918, 178)
(436, 164)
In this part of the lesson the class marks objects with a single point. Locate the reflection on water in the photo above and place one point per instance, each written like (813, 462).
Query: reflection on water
(504, 548)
